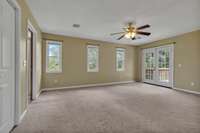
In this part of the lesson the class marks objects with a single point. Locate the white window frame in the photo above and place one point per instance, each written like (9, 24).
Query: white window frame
(97, 68)
(47, 56)
(123, 65)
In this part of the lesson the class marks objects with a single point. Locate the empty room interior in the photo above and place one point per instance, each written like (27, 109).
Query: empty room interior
(99, 66)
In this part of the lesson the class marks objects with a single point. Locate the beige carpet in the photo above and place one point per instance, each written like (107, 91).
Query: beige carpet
(130, 108)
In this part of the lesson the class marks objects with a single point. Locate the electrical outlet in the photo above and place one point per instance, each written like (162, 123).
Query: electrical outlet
(192, 83)
(179, 65)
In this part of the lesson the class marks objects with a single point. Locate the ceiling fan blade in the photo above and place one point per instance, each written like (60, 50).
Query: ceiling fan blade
(136, 38)
(143, 33)
(143, 27)
(133, 38)
(117, 33)
(121, 37)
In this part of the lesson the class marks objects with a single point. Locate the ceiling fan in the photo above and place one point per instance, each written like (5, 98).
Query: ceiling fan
(131, 31)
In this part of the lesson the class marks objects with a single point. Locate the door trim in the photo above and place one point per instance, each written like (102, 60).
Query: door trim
(34, 84)
(17, 108)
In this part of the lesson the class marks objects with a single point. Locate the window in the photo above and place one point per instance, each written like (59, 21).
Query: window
(92, 58)
(53, 56)
(120, 59)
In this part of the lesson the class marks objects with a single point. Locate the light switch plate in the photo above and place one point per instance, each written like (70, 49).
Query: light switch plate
(24, 63)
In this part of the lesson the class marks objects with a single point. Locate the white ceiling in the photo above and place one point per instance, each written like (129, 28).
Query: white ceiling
(99, 18)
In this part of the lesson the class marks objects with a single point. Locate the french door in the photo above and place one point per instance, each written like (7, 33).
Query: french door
(157, 65)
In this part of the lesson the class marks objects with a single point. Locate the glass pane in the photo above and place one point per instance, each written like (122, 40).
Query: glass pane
(149, 65)
(92, 58)
(163, 64)
(120, 55)
(54, 59)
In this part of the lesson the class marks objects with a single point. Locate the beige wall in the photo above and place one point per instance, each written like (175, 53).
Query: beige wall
(186, 53)
(25, 16)
(75, 67)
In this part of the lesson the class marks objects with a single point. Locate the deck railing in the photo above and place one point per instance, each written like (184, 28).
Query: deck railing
(163, 74)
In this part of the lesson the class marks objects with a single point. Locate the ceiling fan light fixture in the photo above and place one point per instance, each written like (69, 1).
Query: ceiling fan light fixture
(130, 35)
(131, 31)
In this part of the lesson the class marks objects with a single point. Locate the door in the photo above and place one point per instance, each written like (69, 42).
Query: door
(29, 55)
(149, 66)
(7, 66)
(164, 65)
(158, 65)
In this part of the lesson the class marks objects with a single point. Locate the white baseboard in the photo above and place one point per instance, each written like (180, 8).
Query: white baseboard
(87, 85)
(22, 116)
(187, 91)
(38, 94)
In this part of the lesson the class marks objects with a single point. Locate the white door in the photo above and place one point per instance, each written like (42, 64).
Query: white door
(7, 66)
(149, 65)
(164, 70)
(158, 65)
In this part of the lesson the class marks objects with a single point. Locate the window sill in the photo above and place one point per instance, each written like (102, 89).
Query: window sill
(54, 72)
